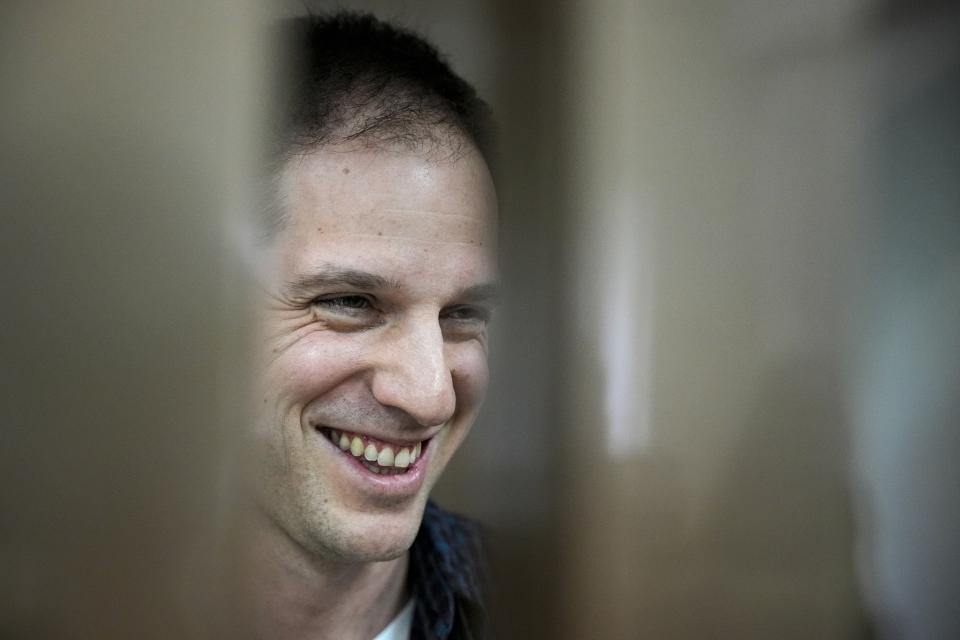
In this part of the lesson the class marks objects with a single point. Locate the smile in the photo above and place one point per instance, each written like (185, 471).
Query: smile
(377, 456)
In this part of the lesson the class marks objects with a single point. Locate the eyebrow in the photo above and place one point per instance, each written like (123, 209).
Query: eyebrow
(327, 277)
(306, 285)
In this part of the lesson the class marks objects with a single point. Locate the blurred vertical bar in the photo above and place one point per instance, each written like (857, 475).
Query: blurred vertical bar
(905, 329)
(130, 133)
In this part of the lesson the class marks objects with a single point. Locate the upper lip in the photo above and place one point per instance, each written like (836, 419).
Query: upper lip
(392, 439)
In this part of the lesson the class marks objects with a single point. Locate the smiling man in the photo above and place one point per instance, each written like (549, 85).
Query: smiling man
(382, 252)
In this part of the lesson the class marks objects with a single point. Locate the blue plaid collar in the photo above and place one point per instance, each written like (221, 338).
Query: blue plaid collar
(446, 575)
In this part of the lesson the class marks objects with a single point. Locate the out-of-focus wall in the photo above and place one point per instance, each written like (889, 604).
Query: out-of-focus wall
(760, 464)
(711, 486)
(128, 138)
(745, 461)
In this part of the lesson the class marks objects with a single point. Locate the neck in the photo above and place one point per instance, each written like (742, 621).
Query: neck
(297, 595)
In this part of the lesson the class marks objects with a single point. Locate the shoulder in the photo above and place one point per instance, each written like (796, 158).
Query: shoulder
(455, 546)
(448, 571)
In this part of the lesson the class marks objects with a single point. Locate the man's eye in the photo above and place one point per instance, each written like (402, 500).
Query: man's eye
(344, 304)
(467, 313)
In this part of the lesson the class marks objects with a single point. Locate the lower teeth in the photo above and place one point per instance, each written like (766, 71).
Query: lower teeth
(384, 471)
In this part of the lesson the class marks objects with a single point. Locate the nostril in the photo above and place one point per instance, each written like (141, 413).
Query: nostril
(429, 400)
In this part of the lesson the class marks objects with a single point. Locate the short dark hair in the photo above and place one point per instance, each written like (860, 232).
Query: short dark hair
(357, 79)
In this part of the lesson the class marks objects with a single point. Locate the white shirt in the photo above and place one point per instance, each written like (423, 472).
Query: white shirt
(399, 627)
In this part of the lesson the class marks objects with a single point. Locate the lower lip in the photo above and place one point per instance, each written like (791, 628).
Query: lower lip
(395, 485)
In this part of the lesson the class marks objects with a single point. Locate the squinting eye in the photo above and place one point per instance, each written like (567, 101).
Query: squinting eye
(468, 314)
(343, 303)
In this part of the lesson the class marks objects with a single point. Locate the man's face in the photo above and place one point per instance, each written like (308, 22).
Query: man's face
(375, 360)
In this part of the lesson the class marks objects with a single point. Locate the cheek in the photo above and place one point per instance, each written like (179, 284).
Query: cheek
(311, 367)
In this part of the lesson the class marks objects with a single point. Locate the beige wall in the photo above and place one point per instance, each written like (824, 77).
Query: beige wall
(725, 477)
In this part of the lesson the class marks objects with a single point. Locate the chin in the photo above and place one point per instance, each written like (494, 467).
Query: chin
(368, 537)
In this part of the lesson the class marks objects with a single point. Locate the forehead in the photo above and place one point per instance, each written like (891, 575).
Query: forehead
(388, 206)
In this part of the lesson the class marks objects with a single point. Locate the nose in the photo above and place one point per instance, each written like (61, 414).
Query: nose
(411, 372)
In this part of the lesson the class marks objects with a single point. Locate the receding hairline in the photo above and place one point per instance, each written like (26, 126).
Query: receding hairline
(439, 140)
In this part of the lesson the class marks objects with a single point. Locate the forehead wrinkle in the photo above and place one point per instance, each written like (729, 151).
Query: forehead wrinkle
(426, 212)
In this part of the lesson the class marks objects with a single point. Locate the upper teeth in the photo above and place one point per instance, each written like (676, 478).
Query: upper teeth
(384, 455)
